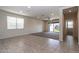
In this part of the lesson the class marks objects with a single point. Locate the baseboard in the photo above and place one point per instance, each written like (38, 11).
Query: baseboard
(13, 36)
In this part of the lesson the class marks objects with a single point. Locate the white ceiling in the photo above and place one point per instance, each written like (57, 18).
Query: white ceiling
(40, 12)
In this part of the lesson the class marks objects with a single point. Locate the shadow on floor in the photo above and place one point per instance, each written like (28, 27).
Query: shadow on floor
(52, 35)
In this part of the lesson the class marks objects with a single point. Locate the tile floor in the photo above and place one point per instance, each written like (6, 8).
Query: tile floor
(36, 44)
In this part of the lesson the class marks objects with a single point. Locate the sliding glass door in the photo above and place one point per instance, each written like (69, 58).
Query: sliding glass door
(54, 27)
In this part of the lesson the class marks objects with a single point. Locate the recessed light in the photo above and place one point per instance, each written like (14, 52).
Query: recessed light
(28, 6)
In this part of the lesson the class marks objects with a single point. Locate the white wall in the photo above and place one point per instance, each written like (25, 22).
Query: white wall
(61, 25)
(31, 25)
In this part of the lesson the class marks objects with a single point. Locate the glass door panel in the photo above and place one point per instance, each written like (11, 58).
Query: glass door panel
(54, 27)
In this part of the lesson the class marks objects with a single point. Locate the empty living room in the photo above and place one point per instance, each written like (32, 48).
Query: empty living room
(39, 29)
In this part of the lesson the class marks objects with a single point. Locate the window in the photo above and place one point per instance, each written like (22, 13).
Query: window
(11, 22)
(15, 23)
(69, 23)
(20, 23)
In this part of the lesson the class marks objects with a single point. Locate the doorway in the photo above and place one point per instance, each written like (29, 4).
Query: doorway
(70, 22)
(54, 27)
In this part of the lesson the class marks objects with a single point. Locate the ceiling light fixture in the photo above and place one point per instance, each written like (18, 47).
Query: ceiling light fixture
(20, 11)
(28, 6)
